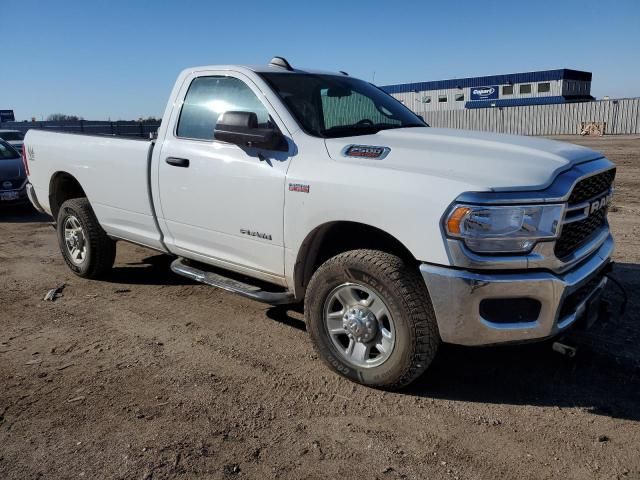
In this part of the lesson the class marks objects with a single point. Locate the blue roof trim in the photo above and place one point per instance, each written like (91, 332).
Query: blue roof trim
(518, 102)
(526, 77)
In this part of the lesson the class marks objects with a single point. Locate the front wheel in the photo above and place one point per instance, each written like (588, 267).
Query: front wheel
(85, 246)
(370, 318)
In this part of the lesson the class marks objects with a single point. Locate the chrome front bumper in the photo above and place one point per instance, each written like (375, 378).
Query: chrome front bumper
(456, 296)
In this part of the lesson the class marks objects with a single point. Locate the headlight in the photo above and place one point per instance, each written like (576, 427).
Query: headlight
(503, 229)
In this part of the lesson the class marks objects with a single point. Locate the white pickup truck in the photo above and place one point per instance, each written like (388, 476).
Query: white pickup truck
(289, 185)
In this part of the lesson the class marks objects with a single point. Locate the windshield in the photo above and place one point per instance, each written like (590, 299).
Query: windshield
(331, 106)
(7, 152)
(11, 136)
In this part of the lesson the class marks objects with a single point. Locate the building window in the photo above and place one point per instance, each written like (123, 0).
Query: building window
(525, 88)
(442, 98)
(426, 99)
(459, 97)
(507, 90)
(544, 87)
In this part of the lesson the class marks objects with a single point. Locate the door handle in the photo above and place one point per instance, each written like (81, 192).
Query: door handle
(178, 162)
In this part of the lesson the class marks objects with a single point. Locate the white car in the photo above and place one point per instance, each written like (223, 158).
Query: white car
(320, 188)
(15, 138)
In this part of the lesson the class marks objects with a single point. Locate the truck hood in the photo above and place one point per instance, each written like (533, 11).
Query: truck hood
(11, 169)
(486, 161)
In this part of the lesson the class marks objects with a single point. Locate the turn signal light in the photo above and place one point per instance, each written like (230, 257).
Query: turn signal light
(453, 223)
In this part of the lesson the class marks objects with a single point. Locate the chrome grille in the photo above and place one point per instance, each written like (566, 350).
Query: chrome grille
(576, 233)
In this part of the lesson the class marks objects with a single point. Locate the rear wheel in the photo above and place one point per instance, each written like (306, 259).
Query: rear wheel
(370, 318)
(86, 248)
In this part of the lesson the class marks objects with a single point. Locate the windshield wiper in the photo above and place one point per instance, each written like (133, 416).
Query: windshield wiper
(348, 130)
(353, 130)
(410, 125)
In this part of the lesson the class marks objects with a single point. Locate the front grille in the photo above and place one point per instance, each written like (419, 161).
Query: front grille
(10, 184)
(592, 186)
(576, 234)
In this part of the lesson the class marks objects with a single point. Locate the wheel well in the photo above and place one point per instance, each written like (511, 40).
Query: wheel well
(63, 187)
(334, 238)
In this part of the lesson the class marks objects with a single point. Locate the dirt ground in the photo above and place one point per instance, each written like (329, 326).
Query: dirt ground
(147, 375)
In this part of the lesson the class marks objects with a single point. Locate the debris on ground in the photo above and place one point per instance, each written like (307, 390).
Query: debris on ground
(593, 129)
(55, 293)
(232, 469)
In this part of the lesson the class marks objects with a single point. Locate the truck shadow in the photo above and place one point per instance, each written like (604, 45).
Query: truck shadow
(532, 375)
(290, 315)
(22, 214)
(151, 270)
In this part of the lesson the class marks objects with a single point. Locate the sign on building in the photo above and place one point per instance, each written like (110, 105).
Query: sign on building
(7, 116)
(484, 93)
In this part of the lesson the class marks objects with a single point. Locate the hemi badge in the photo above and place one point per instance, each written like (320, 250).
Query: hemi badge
(299, 187)
(366, 151)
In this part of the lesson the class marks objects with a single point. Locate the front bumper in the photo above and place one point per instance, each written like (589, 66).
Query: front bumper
(563, 299)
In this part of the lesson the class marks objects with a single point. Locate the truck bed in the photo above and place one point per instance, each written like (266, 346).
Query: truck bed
(102, 165)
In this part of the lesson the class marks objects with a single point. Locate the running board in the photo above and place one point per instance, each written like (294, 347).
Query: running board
(181, 266)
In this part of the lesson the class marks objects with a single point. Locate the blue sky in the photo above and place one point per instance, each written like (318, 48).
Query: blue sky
(118, 59)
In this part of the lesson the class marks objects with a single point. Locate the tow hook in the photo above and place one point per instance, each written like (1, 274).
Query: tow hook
(564, 349)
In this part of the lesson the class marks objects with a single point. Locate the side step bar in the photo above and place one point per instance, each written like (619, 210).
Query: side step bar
(181, 266)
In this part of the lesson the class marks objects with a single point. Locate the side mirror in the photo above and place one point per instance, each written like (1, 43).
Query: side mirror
(241, 128)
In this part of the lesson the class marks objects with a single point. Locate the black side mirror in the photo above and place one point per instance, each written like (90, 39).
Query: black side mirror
(241, 128)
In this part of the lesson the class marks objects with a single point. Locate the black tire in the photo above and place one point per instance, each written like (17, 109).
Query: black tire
(403, 291)
(100, 249)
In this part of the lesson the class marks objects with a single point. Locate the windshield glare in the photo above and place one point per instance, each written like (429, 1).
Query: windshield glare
(331, 106)
(11, 136)
(7, 152)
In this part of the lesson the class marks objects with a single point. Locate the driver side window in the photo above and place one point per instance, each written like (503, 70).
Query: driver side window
(208, 98)
(341, 111)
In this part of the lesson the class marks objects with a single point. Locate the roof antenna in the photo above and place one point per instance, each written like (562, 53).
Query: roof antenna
(281, 62)
(344, 73)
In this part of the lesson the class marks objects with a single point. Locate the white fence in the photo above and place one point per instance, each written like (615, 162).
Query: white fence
(618, 117)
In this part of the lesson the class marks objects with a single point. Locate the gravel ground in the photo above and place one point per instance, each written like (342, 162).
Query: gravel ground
(147, 375)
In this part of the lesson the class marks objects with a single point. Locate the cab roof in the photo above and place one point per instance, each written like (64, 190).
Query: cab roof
(277, 65)
(261, 69)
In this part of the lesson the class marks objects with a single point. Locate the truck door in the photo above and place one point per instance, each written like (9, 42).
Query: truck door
(220, 203)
